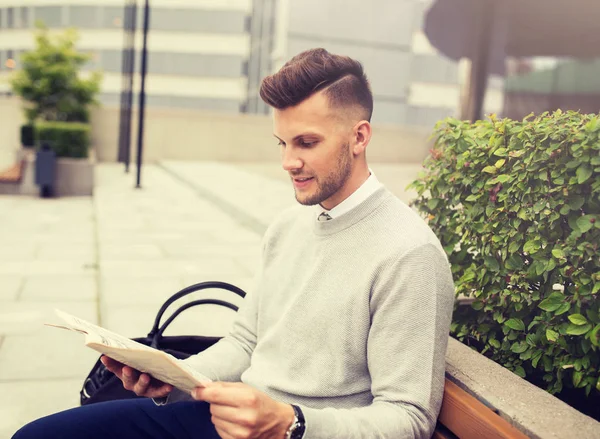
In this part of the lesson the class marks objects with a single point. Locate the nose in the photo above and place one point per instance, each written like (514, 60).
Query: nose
(290, 160)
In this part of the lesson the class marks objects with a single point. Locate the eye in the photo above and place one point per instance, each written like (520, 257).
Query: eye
(307, 144)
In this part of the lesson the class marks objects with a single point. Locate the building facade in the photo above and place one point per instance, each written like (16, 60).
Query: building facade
(212, 54)
(412, 84)
(197, 49)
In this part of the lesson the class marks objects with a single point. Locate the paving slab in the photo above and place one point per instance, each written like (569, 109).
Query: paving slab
(28, 400)
(10, 286)
(54, 287)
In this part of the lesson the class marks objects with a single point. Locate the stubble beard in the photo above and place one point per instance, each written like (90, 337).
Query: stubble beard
(330, 184)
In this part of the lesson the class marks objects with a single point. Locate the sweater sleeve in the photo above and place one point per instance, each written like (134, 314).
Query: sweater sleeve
(411, 308)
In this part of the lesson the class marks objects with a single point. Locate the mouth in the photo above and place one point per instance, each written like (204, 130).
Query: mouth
(301, 182)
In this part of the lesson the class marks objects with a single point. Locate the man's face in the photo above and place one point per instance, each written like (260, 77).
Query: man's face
(315, 151)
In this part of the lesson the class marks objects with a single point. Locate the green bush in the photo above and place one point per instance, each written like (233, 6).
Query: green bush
(28, 135)
(67, 139)
(516, 205)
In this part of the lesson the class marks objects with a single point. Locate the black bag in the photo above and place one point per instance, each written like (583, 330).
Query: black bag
(102, 385)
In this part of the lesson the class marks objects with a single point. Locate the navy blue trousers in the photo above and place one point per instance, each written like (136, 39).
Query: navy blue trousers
(125, 419)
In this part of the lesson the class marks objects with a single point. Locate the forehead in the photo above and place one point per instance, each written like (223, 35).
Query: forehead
(312, 114)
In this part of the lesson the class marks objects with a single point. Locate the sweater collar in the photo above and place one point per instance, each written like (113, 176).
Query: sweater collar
(348, 219)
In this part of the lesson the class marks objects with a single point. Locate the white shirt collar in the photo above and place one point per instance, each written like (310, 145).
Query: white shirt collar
(358, 196)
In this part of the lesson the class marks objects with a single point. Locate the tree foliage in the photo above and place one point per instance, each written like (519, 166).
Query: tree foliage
(49, 81)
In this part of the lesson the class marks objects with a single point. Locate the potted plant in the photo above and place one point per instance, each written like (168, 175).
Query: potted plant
(56, 103)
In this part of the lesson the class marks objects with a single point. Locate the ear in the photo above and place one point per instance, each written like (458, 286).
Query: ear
(362, 137)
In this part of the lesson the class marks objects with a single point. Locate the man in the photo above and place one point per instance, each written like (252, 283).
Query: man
(346, 333)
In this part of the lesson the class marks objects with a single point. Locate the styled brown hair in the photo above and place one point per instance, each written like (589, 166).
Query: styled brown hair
(313, 70)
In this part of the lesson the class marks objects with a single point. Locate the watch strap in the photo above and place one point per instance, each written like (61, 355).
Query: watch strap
(299, 426)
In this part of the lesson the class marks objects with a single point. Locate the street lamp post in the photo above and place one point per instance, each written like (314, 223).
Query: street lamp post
(142, 100)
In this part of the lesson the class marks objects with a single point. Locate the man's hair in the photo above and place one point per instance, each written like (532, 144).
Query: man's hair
(342, 78)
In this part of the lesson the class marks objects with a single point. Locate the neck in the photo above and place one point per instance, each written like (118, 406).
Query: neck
(357, 178)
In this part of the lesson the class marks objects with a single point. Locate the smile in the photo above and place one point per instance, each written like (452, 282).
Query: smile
(302, 182)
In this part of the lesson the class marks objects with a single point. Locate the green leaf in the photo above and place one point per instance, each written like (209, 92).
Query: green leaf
(500, 152)
(489, 169)
(531, 246)
(566, 306)
(516, 324)
(519, 347)
(583, 173)
(433, 203)
(577, 376)
(573, 329)
(595, 160)
(503, 178)
(595, 336)
(499, 163)
(491, 263)
(551, 335)
(577, 319)
(477, 305)
(576, 201)
(565, 209)
(584, 224)
(495, 343)
(558, 253)
(552, 302)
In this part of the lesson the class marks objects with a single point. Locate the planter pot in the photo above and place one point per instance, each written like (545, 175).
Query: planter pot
(74, 177)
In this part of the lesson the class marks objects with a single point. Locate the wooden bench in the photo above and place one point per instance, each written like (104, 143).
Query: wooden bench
(14, 174)
(463, 416)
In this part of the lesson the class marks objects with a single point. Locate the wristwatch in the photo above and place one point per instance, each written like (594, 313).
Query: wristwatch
(296, 430)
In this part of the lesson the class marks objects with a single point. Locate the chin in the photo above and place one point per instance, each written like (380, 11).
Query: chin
(307, 200)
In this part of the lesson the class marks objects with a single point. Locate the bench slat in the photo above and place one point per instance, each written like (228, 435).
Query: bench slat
(13, 174)
(468, 418)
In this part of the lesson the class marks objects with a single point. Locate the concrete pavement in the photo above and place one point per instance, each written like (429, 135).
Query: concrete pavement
(115, 257)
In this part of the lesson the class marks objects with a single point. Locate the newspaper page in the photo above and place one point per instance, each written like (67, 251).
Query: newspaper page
(159, 364)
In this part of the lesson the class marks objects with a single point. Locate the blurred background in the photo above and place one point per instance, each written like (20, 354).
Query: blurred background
(426, 61)
(112, 254)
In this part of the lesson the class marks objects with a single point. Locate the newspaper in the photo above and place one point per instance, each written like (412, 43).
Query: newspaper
(158, 364)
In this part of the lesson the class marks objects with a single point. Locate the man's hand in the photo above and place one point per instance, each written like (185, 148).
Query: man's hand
(242, 412)
(141, 384)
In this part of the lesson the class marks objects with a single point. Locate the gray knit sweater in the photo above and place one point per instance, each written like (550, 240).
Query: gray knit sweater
(349, 320)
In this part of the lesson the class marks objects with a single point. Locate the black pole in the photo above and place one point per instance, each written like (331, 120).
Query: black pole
(127, 69)
(130, 71)
(142, 104)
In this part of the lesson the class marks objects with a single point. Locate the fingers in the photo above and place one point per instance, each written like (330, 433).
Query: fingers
(158, 392)
(113, 365)
(227, 394)
(141, 384)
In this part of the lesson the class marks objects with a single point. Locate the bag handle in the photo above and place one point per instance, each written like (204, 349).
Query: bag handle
(156, 333)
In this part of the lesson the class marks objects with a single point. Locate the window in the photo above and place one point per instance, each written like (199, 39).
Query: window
(10, 18)
(24, 17)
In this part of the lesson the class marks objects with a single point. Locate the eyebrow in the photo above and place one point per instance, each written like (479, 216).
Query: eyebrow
(300, 136)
